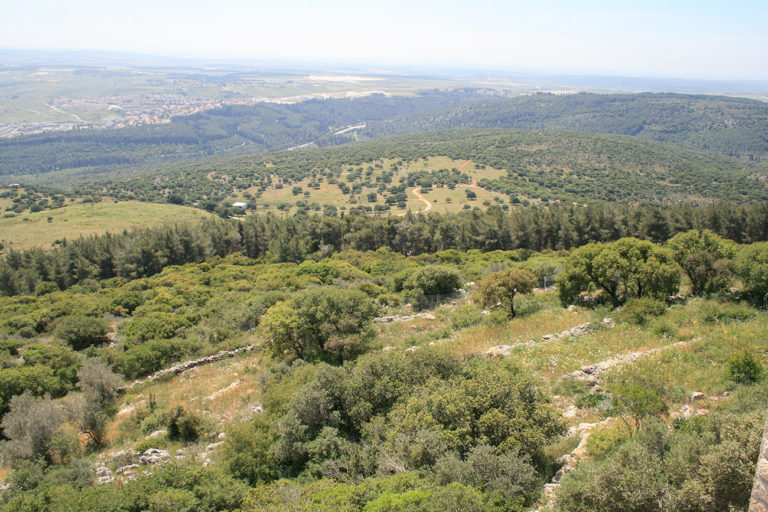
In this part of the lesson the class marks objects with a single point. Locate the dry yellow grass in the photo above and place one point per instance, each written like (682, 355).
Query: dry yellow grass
(219, 392)
(480, 338)
(331, 194)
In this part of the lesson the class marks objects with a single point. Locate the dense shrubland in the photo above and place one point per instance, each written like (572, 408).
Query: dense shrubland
(348, 425)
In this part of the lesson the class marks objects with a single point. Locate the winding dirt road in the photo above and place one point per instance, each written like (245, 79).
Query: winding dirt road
(421, 197)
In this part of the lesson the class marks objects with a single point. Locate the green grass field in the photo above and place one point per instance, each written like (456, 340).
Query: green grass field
(41, 229)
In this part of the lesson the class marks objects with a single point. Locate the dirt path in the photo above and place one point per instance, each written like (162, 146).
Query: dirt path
(421, 197)
(73, 116)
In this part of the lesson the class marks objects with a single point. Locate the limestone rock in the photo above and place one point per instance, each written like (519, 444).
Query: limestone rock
(154, 456)
(392, 319)
(102, 471)
(126, 469)
(157, 433)
(213, 446)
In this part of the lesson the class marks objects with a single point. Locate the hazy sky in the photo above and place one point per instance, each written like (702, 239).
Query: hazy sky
(671, 38)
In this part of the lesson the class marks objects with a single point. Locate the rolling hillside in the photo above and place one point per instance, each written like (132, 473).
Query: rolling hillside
(522, 165)
(735, 127)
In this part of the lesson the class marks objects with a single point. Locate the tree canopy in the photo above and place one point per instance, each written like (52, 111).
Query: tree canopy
(621, 270)
(501, 288)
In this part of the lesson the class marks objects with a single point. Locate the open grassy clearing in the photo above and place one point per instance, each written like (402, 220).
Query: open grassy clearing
(221, 393)
(443, 199)
(41, 229)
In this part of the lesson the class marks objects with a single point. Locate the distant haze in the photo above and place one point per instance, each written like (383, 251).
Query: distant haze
(682, 39)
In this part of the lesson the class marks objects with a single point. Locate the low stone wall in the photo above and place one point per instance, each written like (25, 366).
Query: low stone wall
(188, 365)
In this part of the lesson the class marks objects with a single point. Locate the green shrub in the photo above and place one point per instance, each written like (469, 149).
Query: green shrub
(11, 346)
(152, 421)
(127, 302)
(604, 440)
(38, 379)
(183, 426)
(714, 312)
(388, 300)
(148, 357)
(371, 289)
(157, 325)
(323, 271)
(26, 332)
(46, 287)
(745, 369)
(64, 361)
(433, 280)
(82, 331)
(589, 400)
(325, 322)
(664, 328)
(26, 474)
(148, 443)
(466, 316)
(639, 311)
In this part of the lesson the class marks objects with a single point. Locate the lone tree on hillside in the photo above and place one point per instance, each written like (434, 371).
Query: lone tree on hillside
(500, 288)
(100, 388)
(633, 402)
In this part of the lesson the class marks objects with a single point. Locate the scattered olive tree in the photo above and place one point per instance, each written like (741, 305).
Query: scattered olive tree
(501, 288)
(31, 425)
(100, 388)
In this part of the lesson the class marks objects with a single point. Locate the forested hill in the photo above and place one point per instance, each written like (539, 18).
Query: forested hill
(235, 129)
(736, 127)
(539, 165)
